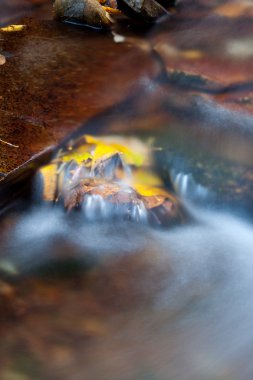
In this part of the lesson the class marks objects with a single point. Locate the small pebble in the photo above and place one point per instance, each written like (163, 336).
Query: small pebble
(2, 59)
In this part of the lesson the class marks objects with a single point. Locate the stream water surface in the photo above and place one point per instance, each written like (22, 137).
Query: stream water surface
(87, 298)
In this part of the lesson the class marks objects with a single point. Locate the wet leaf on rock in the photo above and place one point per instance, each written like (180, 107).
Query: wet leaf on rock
(12, 28)
(108, 181)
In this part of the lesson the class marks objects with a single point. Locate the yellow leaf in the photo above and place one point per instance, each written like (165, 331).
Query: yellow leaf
(49, 178)
(150, 191)
(131, 157)
(12, 28)
(91, 140)
(104, 151)
(147, 178)
(79, 157)
(106, 148)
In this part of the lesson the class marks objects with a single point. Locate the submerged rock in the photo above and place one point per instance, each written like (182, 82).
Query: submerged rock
(144, 10)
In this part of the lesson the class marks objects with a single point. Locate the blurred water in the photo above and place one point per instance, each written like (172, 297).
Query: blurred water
(123, 301)
(198, 281)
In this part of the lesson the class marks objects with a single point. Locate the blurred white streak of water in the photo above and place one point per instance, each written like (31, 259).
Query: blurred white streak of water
(186, 186)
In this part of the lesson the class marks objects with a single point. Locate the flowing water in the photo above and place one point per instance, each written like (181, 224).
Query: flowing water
(90, 295)
(104, 298)
(156, 303)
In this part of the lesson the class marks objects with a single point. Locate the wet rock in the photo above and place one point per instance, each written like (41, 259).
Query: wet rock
(92, 13)
(48, 66)
(89, 12)
(108, 181)
(145, 10)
